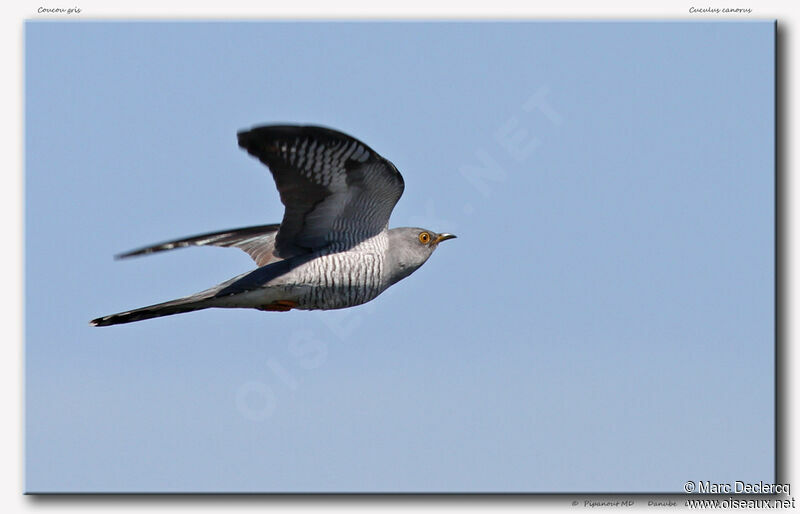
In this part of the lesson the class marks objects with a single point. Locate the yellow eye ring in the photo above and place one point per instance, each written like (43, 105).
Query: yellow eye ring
(424, 238)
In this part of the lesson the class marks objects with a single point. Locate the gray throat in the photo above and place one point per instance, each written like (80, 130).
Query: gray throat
(400, 262)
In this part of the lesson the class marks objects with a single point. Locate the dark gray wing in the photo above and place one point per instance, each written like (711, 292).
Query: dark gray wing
(336, 190)
(258, 242)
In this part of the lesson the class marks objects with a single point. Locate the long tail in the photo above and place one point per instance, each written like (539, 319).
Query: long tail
(221, 295)
(187, 304)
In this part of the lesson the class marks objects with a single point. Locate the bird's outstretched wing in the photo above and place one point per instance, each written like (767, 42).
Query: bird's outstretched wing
(258, 242)
(336, 190)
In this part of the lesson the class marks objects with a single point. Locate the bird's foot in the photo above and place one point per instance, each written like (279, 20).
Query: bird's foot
(279, 306)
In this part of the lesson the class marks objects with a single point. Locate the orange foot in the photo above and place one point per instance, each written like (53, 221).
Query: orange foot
(279, 306)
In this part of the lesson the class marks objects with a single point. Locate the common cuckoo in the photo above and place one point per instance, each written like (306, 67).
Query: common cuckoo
(333, 248)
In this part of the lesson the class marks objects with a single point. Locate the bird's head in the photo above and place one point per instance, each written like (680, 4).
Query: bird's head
(409, 248)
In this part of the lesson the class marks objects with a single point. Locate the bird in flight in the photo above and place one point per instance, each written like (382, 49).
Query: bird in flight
(332, 250)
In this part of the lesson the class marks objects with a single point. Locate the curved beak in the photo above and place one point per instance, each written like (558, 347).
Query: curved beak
(443, 237)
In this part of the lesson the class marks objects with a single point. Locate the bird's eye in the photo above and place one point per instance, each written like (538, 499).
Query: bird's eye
(424, 238)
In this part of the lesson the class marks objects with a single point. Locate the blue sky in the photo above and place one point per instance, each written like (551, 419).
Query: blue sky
(604, 322)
